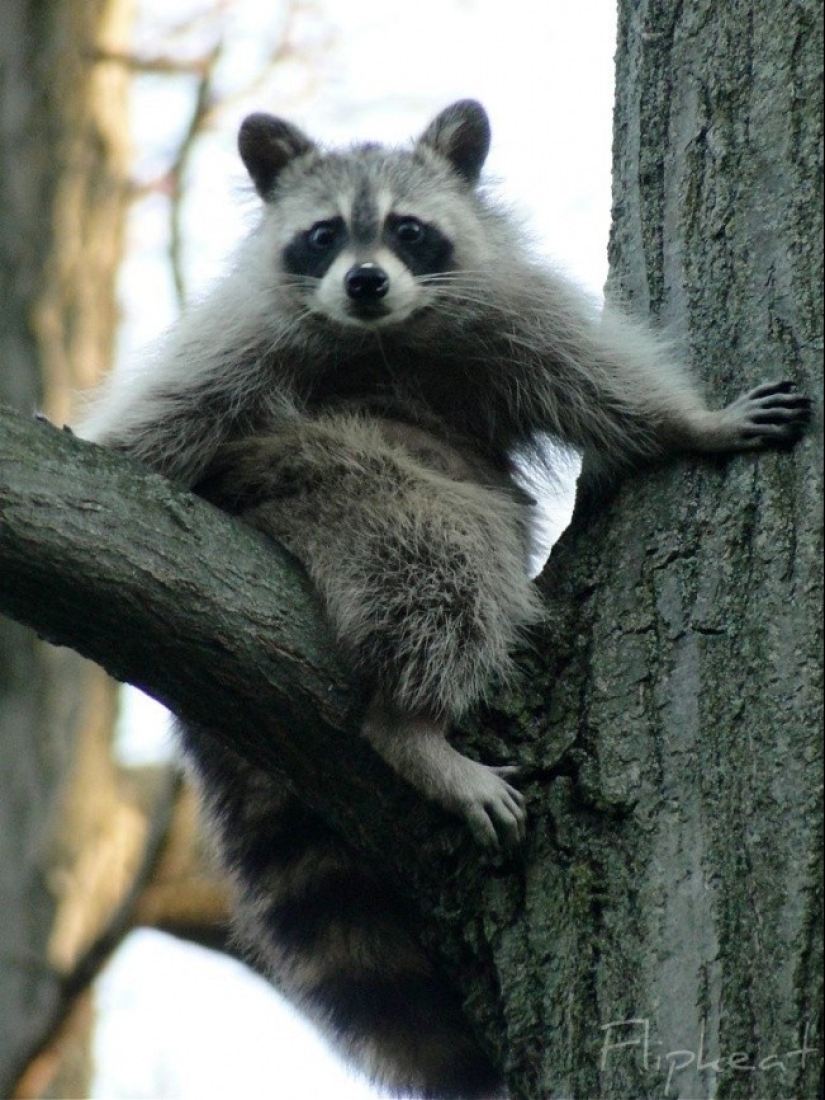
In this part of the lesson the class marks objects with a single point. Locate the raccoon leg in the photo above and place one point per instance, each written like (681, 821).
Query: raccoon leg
(334, 938)
(427, 602)
(774, 414)
(441, 594)
(424, 580)
(417, 748)
(622, 398)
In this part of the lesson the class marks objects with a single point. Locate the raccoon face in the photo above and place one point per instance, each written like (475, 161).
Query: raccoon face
(375, 227)
(368, 271)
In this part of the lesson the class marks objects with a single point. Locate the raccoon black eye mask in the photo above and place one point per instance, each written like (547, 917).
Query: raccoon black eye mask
(394, 344)
(422, 249)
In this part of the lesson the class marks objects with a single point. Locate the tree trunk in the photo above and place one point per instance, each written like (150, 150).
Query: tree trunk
(674, 896)
(68, 841)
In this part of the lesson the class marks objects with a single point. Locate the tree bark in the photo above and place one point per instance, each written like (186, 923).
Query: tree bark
(71, 834)
(681, 894)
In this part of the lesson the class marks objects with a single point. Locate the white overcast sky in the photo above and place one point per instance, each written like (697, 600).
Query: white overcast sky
(178, 1022)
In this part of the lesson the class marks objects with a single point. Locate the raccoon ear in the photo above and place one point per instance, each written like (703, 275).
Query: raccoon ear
(266, 145)
(461, 134)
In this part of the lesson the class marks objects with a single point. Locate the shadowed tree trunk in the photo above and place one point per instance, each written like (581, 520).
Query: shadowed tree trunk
(73, 828)
(62, 179)
(660, 934)
(683, 884)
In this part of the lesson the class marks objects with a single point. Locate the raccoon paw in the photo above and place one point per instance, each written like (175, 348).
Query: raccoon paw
(418, 750)
(492, 807)
(770, 415)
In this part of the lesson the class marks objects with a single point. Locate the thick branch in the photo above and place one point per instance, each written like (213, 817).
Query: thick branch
(222, 626)
(217, 623)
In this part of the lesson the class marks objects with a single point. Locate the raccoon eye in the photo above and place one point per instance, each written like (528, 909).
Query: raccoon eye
(409, 230)
(323, 236)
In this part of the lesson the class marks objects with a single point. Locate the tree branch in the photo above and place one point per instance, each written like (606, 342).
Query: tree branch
(222, 626)
(205, 615)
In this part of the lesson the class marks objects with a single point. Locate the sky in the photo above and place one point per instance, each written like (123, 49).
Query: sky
(177, 1021)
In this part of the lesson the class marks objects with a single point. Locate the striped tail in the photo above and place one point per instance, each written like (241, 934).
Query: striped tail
(335, 941)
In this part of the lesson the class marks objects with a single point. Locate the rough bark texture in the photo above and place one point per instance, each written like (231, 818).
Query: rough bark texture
(678, 895)
(70, 835)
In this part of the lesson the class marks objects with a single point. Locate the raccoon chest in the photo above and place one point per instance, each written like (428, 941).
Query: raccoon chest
(398, 382)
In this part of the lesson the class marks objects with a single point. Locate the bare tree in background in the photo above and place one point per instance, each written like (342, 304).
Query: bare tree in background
(79, 837)
(661, 930)
(63, 824)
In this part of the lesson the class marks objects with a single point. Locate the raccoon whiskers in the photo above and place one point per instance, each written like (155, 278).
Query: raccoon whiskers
(468, 299)
(300, 282)
(452, 286)
(283, 338)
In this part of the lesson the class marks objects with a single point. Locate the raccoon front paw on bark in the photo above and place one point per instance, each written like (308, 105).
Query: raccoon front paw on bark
(771, 414)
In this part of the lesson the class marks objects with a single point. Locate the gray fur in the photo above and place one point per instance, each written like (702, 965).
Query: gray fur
(362, 400)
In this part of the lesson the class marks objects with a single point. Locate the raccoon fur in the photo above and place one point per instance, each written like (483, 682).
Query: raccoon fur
(357, 387)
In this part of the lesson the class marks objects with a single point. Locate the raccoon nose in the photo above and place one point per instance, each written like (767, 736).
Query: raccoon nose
(366, 281)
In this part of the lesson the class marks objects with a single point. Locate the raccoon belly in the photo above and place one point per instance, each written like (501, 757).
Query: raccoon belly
(333, 938)
(423, 575)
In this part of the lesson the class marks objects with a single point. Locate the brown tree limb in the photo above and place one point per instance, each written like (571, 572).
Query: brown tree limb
(221, 626)
(208, 617)
(201, 110)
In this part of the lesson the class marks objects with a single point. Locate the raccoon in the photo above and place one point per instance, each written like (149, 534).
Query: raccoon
(358, 387)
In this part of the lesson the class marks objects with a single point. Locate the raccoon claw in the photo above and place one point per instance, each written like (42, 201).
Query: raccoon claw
(494, 809)
(771, 414)
(417, 749)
